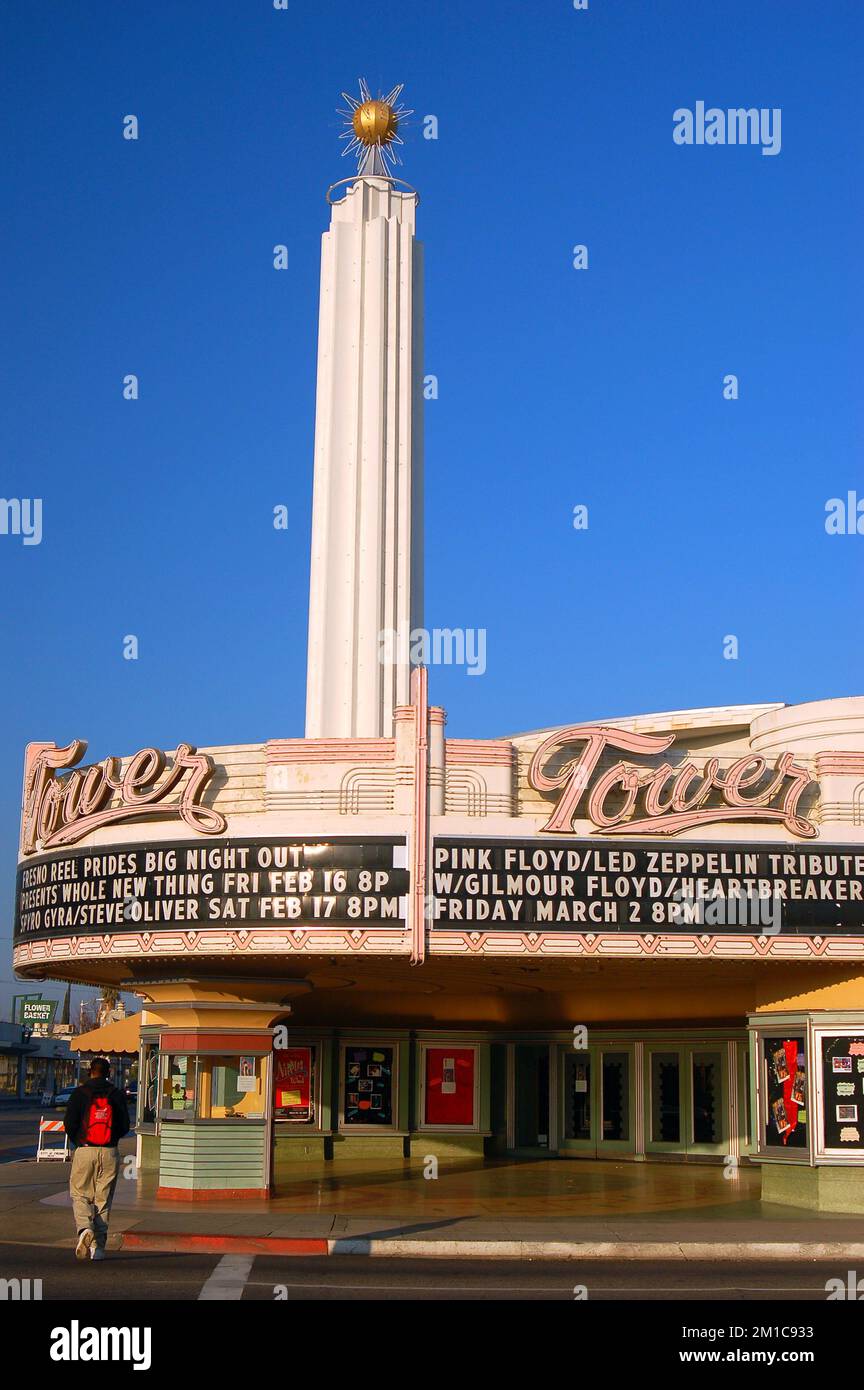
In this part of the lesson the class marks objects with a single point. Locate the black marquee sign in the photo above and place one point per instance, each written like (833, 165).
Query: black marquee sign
(639, 886)
(195, 884)
(475, 884)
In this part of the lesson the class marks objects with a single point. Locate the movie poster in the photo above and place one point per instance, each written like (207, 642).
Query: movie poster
(786, 1093)
(293, 1091)
(368, 1086)
(449, 1085)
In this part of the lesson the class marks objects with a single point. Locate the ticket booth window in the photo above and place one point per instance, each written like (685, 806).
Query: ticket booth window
(212, 1087)
(179, 1086)
(232, 1088)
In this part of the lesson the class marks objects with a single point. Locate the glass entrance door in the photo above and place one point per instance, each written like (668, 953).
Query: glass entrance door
(686, 1100)
(597, 1097)
(614, 1127)
(531, 1084)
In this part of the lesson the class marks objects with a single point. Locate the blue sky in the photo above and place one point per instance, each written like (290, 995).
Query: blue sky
(557, 387)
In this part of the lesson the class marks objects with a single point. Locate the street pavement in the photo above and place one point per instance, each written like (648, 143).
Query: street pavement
(139, 1276)
(19, 1131)
(769, 1253)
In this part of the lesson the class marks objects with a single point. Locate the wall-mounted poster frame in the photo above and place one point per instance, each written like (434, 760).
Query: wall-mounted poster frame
(383, 1056)
(297, 1083)
(781, 1095)
(449, 1086)
(839, 1065)
(787, 1116)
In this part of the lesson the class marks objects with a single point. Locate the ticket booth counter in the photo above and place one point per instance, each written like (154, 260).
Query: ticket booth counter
(213, 1115)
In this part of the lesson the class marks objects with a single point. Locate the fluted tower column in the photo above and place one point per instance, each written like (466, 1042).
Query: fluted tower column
(367, 513)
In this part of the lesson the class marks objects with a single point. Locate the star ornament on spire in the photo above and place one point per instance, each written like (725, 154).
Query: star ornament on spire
(372, 129)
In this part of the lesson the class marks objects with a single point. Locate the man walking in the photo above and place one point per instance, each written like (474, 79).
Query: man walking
(96, 1120)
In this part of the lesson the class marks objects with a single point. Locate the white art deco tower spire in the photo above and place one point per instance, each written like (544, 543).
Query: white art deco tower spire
(367, 512)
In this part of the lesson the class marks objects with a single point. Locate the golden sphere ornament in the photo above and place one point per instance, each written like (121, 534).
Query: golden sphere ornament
(375, 123)
(372, 129)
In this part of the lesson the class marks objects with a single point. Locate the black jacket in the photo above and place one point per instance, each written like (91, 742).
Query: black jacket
(79, 1105)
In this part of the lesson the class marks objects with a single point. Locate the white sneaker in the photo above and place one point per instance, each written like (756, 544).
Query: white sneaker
(97, 1253)
(83, 1248)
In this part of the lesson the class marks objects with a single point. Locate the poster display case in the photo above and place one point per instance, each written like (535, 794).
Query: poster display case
(449, 1090)
(809, 1087)
(840, 1058)
(784, 1073)
(296, 1084)
(368, 1086)
(782, 1076)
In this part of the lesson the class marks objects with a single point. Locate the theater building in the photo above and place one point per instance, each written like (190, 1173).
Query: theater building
(640, 938)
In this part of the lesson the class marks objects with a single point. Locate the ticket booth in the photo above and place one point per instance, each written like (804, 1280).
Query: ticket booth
(214, 1113)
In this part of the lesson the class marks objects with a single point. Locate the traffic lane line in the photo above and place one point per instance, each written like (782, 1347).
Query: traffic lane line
(273, 1279)
(450, 1292)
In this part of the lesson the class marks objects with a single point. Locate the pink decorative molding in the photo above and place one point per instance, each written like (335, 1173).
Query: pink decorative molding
(234, 943)
(623, 945)
(479, 752)
(330, 750)
(840, 764)
(420, 836)
(226, 942)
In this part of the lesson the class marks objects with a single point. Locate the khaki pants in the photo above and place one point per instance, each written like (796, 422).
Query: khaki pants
(91, 1186)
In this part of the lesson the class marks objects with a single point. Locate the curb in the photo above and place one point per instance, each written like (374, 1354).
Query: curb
(492, 1249)
(223, 1245)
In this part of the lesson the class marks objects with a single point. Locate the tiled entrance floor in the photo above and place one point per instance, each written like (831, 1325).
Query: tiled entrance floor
(536, 1189)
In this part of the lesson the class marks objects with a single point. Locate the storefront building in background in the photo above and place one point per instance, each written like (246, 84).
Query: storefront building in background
(640, 938)
(32, 1068)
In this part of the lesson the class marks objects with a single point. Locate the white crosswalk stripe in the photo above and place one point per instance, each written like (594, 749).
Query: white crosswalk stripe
(228, 1279)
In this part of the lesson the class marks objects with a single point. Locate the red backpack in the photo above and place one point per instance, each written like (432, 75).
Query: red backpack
(98, 1120)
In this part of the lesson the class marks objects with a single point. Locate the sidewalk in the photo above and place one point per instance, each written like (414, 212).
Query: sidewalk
(512, 1212)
